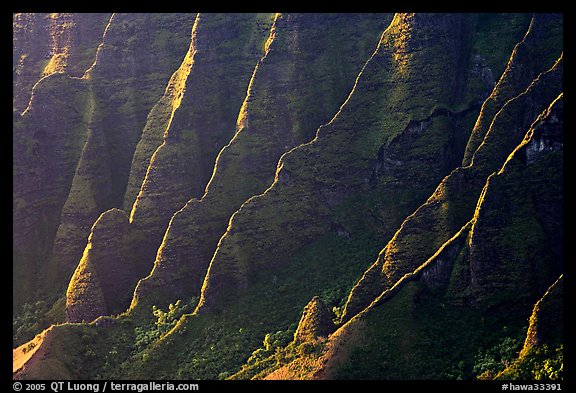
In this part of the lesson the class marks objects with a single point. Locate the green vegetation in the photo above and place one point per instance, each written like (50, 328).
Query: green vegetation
(490, 363)
(538, 363)
(165, 321)
(413, 335)
(535, 53)
(507, 29)
(84, 153)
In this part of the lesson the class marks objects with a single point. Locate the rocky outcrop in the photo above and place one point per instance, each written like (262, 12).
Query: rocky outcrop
(546, 322)
(316, 322)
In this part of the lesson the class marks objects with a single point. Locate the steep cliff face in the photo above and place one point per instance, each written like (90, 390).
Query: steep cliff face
(526, 241)
(308, 56)
(541, 356)
(319, 196)
(204, 96)
(537, 51)
(133, 64)
(105, 270)
(267, 247)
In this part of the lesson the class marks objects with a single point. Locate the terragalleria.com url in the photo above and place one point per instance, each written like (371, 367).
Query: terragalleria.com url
(103, 386)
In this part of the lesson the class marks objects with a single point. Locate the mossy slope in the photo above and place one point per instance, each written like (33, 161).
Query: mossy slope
(536, 52)
(224, 52)
(98, 286)
(212, 365)
(120, 81)
(401, 130)
(542, 354)
(127, 77)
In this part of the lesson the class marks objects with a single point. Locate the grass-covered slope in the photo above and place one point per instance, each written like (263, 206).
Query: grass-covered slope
(542, 356)
(309, 67)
